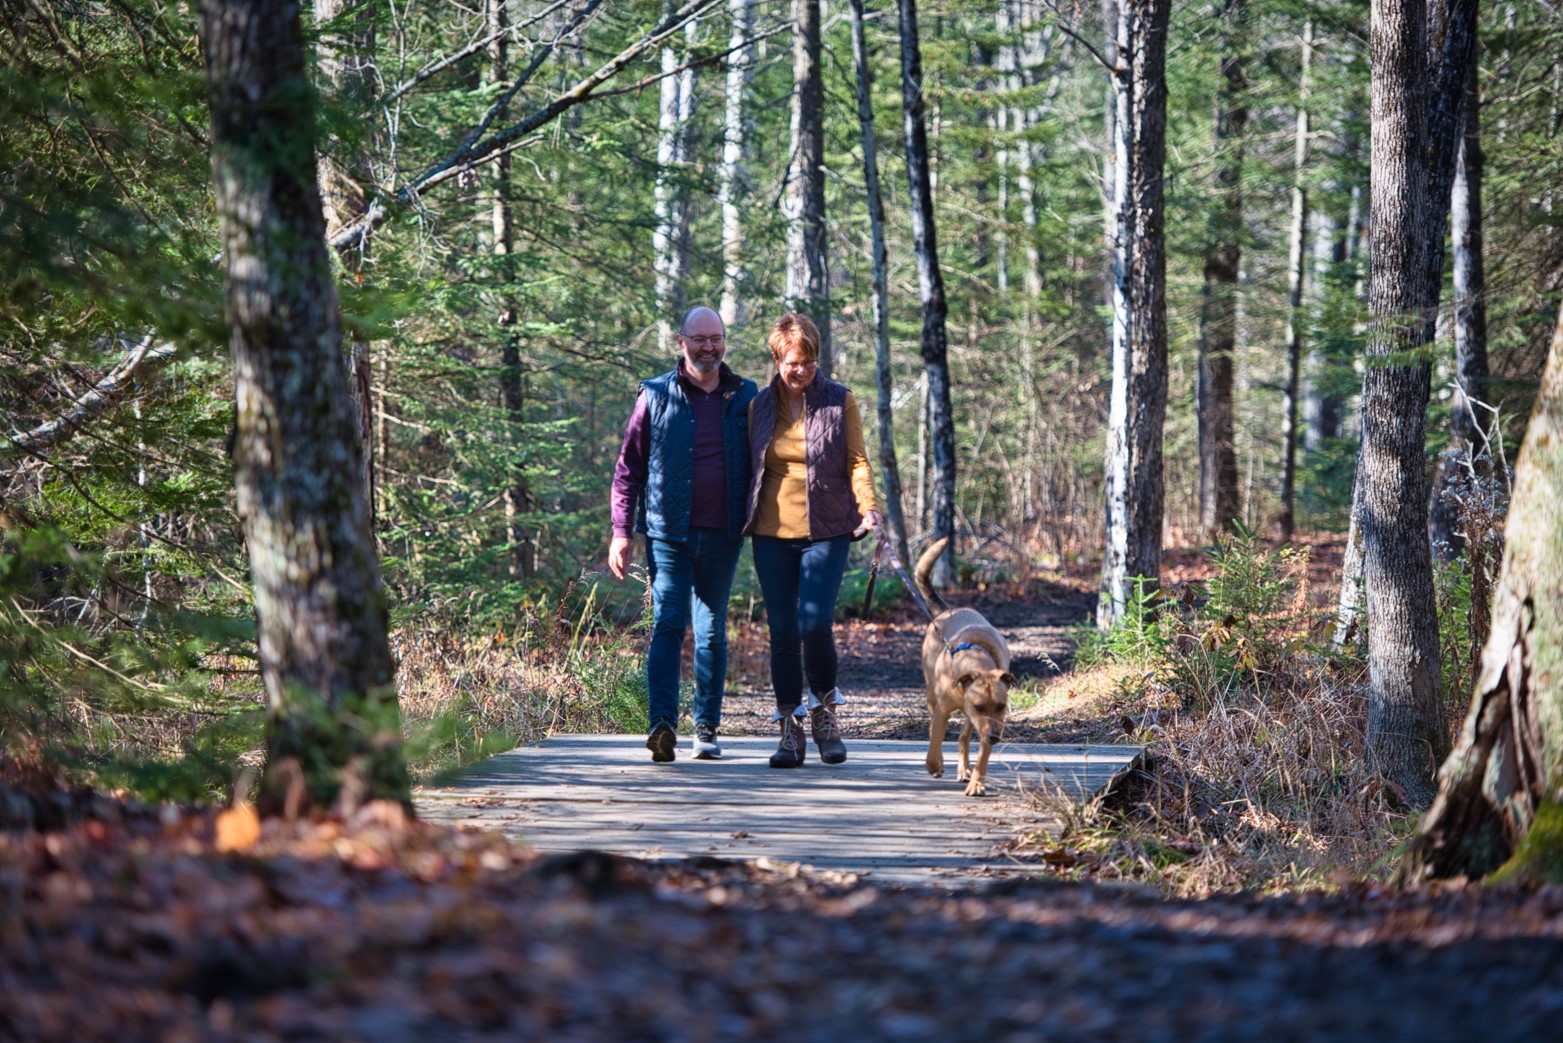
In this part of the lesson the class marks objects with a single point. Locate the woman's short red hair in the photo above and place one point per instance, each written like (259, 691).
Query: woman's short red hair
(792, 332)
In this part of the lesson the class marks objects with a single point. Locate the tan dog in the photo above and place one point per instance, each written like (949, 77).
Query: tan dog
(966, 668)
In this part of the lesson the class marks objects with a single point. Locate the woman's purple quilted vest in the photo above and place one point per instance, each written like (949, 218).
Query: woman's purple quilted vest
(832, 507)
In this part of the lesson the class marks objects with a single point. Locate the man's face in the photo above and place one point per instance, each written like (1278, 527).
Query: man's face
(704, 343)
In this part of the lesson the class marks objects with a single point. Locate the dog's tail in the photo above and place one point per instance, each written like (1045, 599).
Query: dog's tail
(924, 572)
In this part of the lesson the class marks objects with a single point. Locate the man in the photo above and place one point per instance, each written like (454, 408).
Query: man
(682, 479)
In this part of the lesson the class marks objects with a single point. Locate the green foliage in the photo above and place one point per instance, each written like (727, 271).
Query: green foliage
(129, 706)
(501, 381)
(1246, 628)
(1139, 638)
(1452, 586)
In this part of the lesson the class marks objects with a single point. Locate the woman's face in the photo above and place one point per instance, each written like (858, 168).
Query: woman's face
(797, 370)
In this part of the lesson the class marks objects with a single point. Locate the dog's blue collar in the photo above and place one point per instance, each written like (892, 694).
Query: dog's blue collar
(963, 646)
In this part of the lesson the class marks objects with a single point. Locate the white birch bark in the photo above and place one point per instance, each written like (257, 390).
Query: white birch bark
(1294, 296)
(732, 185)
(808, 275)
(670, 198)
(1138, 402)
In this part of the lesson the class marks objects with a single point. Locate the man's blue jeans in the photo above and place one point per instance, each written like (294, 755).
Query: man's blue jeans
(689, 582)
(800, 580)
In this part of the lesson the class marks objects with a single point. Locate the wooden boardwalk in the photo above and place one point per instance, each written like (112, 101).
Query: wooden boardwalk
(879, 815)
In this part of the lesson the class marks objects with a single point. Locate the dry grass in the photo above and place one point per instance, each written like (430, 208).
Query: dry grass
(1268, 793)
(464, 697)
(1257, 773)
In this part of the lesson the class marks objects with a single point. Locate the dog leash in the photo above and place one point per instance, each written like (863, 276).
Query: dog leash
(883, 549)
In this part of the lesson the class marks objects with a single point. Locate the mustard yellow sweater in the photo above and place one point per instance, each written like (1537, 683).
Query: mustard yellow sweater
(783, 510)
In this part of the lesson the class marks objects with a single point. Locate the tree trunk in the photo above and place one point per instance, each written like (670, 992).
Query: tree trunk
(1036, 46)
(1507, 770)
(1007, 119)
(930, 281)
(894, 517)
(670, 197)
(345, 189)
(1110, 29)
(1323, 405)
(512, 391)
(732, 187)
(1468, 427)
(1410, 186)
(1138, 405)
(332, 724)
(1348, 607)
(1294, 299)
(1218, 499)
(808, 275)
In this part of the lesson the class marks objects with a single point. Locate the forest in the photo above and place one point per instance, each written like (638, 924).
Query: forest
(322, 323)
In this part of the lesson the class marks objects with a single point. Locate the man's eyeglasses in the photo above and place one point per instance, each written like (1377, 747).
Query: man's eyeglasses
(705, 342)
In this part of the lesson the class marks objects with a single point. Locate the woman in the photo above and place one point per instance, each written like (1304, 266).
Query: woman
(812, 490)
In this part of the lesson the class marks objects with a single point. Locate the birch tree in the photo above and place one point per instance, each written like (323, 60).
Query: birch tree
(808, 272)
(1294, 296)
(1138, 403)
(346, 54)
(670, 197)
(1469, 427)
(732, 185)
(332, 722)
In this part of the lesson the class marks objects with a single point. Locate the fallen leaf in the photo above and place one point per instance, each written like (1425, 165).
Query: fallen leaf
(238, 828)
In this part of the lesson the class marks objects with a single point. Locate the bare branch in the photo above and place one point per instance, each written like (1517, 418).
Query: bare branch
(143, 359)
(471, 153)
(1115, 68)
(503, 101)
(476, 46)
(710, 59)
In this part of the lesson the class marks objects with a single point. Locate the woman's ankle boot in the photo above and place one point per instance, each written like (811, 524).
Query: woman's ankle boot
(827, 734)
(789, 752)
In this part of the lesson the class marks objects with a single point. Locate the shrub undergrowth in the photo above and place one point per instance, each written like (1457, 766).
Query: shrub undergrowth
(1255, 730)
(563, 665)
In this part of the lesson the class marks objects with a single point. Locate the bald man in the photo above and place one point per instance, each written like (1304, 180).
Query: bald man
(682, 479)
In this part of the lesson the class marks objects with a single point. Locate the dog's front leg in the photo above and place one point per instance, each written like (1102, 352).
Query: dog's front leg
(938, 721)
(978, 784)
(965, 772)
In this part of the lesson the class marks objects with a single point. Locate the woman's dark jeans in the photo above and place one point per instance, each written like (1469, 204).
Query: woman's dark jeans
(800, 580)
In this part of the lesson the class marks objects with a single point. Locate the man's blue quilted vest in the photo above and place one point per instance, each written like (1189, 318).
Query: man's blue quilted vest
(665, 507)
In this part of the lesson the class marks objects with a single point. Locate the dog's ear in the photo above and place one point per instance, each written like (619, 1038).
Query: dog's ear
(965, 681)
(1007, 677)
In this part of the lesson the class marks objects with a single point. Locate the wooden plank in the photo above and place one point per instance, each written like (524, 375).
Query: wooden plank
(879, 814)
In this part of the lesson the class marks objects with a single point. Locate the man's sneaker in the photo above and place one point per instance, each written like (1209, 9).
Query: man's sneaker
(706, 746)
(789, 752)
(827, 735)
(661, 742)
